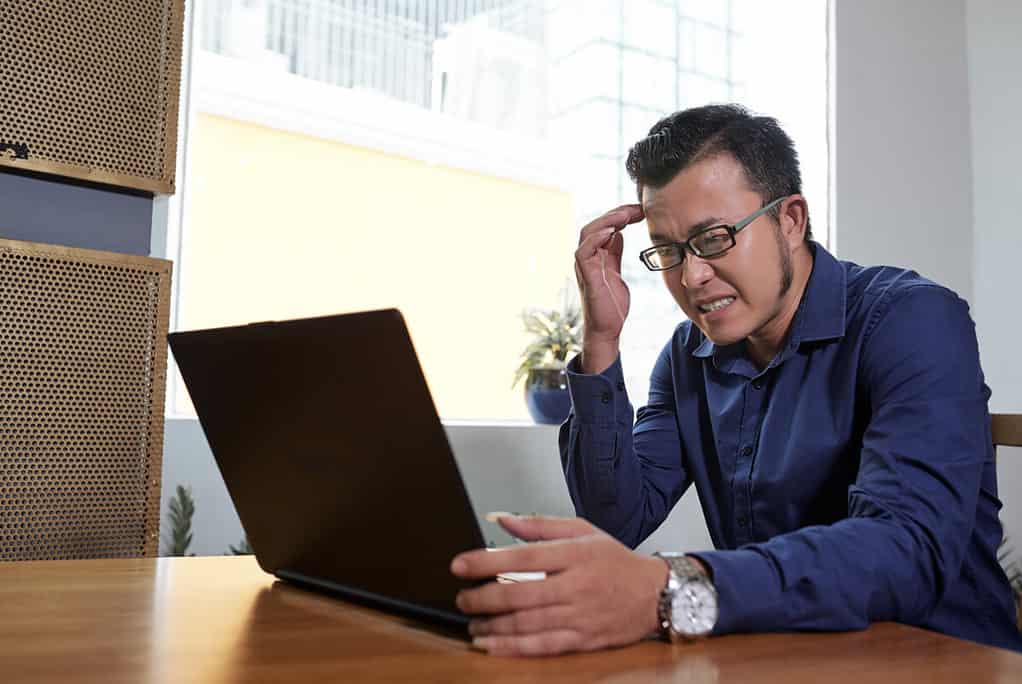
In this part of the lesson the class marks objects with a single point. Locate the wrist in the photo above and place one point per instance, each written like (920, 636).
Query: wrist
(688, 607)
(659, 572)
(599, 355)
(701, 566)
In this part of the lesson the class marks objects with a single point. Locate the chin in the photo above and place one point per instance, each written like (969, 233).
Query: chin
(723, 336)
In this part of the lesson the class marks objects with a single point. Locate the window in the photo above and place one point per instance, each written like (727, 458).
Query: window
(441, 157)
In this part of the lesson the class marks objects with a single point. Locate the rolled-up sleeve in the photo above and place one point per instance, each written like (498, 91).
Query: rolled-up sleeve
(912, 507)
(622, 477)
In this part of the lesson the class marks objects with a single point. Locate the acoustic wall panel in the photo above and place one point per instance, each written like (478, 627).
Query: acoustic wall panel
(89, 89)
(83, 369)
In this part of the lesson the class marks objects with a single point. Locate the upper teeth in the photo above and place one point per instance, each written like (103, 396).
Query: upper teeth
(717, 305)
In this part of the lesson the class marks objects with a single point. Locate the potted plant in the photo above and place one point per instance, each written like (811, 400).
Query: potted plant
(557, 337)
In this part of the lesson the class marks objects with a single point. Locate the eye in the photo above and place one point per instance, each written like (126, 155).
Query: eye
(715, 238)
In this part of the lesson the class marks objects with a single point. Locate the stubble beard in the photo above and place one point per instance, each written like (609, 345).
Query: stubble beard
(787, 270)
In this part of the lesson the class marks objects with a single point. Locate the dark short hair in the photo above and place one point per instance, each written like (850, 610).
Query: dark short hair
(758, 143)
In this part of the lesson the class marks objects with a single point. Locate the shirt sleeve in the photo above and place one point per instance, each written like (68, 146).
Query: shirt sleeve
(623, 478)
(912, 507)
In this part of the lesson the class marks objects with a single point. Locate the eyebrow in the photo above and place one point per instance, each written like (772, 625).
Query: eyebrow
(705, 223)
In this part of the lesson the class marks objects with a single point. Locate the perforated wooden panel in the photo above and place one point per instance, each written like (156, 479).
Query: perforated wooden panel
(83, 357)
(89, 89)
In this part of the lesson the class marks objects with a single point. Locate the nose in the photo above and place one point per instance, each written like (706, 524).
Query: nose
(695, 272)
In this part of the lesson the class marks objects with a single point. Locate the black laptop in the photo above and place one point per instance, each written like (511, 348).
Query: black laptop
(334, 456)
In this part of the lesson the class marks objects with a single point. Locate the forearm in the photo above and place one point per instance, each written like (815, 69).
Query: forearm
(838, 577)
(622, 483)
(604, 479)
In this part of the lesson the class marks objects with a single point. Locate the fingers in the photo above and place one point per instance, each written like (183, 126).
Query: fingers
(556, 554)
(602, 232)
(616, 248)
(495, 598)
(615, 219)
(545, 643)
(594, 242)
(528, 621)
(548, 557)
(541, 527)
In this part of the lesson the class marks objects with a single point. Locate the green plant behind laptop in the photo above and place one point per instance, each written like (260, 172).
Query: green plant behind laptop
(181, 509)
(242, 549)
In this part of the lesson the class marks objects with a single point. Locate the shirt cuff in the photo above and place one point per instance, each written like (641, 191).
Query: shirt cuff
(747, 587)
(598, 399)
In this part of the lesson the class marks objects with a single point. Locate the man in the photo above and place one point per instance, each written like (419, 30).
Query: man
(833, 419)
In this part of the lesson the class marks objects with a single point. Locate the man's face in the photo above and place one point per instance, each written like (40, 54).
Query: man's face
(736, 294)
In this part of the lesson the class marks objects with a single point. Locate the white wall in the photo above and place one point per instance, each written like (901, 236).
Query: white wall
(902, 181)
(994, 56)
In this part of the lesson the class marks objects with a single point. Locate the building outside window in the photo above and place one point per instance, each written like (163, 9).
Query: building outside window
(441, 156)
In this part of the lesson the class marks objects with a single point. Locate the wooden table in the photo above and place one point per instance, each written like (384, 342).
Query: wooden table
(223, 620)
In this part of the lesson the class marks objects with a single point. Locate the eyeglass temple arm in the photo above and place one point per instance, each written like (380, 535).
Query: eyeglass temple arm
(749, 219)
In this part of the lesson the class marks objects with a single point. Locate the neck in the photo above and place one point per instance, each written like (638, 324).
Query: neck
(764, 344)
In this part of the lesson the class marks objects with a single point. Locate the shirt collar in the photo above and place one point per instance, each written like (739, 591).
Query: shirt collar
(820, 315)
(823, 304)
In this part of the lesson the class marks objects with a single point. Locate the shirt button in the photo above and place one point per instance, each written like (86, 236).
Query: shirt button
(743, 521)
(758, 384)
(605, 397)
(747, 451)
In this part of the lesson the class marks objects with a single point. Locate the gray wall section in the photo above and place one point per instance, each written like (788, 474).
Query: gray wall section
(926, 167)
(902, 163)
(514, 468)
(44, 210)
(995, 86)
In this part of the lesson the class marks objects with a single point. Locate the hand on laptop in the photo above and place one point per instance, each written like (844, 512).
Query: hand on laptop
(597, 593)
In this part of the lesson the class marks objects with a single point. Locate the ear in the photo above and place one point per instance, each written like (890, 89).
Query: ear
(794, 215)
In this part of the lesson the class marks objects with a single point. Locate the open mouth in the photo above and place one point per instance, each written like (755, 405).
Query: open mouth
(716, 305)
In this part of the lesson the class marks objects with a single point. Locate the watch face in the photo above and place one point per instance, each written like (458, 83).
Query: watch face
(694, 609)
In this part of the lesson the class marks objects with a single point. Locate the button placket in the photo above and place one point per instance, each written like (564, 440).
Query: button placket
(754, 401)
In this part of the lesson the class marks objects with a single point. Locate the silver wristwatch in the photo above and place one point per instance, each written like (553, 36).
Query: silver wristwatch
(688, 604)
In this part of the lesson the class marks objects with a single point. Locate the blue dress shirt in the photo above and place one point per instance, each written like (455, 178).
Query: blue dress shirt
(852, 480)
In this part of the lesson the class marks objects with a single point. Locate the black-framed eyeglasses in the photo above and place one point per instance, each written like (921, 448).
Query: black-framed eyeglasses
(708, 242)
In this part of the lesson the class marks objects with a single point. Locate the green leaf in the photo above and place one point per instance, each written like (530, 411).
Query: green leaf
(181, 509)
(242, 549)
(557, 335)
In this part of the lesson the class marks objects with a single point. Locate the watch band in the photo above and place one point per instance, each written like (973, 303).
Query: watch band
(681, 571)
(681, 564)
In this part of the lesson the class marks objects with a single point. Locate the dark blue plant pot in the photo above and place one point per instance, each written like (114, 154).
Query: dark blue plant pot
(546, 395)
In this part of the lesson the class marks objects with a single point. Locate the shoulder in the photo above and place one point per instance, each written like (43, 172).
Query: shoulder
(917, 337)
(875, 294)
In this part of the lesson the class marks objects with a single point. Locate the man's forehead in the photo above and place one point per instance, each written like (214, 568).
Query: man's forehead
(686, 205)
(714, 177)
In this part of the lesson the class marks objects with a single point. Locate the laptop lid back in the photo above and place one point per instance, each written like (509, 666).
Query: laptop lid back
(332, 451)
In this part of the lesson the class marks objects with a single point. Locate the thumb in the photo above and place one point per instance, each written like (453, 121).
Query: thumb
(542, 527)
